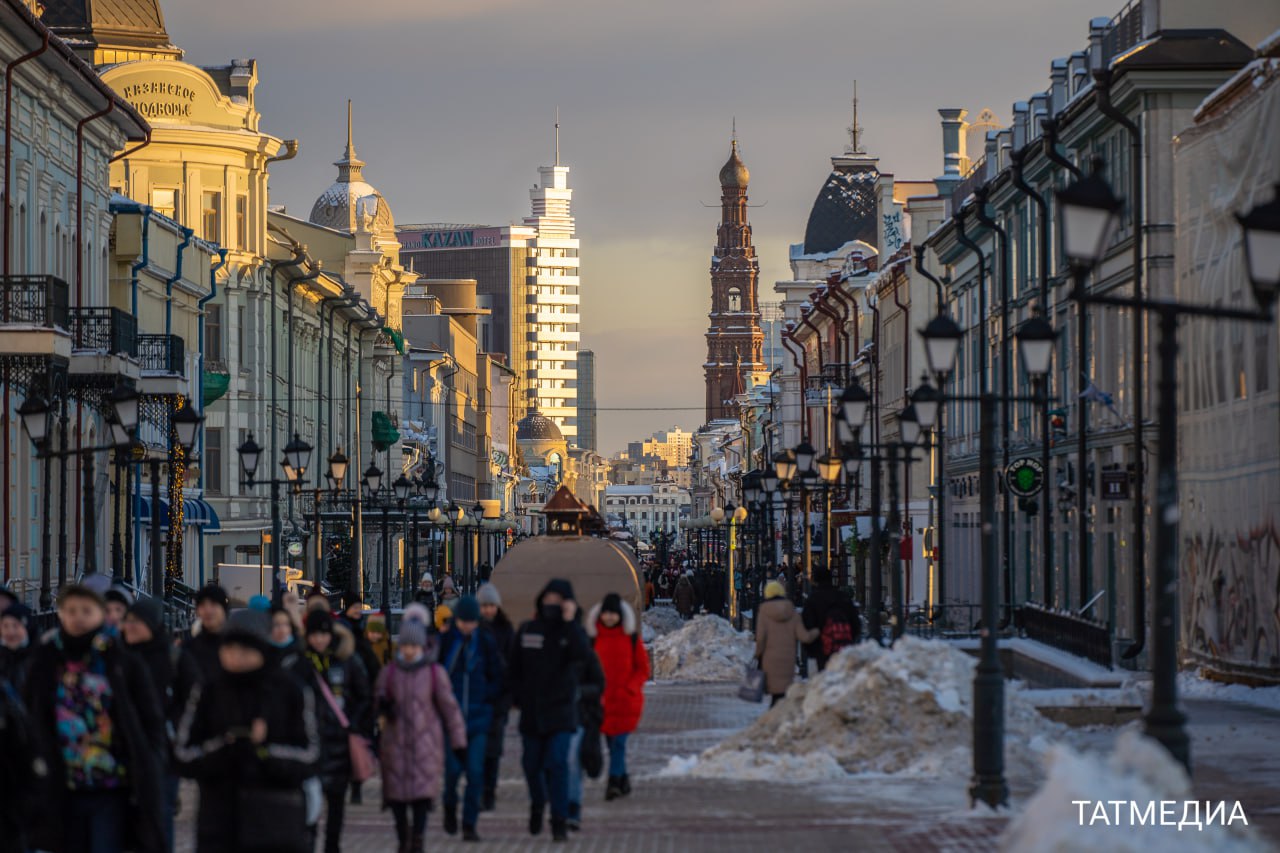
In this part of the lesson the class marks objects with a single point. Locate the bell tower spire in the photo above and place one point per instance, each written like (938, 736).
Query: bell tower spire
(349, 167)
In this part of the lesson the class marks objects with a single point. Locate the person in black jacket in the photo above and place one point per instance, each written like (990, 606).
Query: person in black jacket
(15, 644)
(549, 650)
(211, 611)
(174, 676)
(17, 770)
(834, 614)
(328, 664)
(250, 738)
(98, 730)
(585, 752)
(504, 634)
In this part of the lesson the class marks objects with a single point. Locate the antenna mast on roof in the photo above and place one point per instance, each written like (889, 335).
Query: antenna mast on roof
(855, 129)
(557, 136)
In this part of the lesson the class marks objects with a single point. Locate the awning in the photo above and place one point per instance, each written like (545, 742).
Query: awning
(196, 512)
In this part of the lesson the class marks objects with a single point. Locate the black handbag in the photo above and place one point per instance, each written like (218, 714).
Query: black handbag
(271, 819)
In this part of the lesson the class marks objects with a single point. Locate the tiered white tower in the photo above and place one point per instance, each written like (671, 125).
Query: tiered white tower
(552, 300)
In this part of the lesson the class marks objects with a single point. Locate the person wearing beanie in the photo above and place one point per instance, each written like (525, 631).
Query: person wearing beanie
(15, 644)
(249, 738)
(448, 592)
(495, 621)
(98, 727)
(117, 600)
(379, 640)
(211, 614)
(615, 634)
(550, 650)
(416, 707)
(833, 613)
(779, 631)
(260, 603)
(418, 612)
(344, 706)
(685, 597)
(425, 594)
(475, 666)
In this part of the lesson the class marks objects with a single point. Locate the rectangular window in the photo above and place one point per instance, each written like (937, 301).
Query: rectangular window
(211, 216)
(219, 554)
(165, 202)
(213, 461)
(213, 349)
(242, 222)
(242, 337)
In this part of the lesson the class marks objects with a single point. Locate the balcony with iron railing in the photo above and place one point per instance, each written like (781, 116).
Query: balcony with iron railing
(163, 362)
(33, 316)
(105, 331)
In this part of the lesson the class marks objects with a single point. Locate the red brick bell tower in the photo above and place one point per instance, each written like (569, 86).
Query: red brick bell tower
(734, 339)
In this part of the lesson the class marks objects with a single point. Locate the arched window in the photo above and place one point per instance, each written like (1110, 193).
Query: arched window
(735, 300)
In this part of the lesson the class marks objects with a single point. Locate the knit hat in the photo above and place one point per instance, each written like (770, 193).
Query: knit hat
(20, 612)
(319, 622)
(151, 613)
(466, 610)
(427, 580)
(612, 604)
(376, 623)
(250, 628)
(443, 614)
(560, 587)
(447, 585)
(260, 603)
(773, 589)
(413, 634)
(488, 594)
(417, 613)
(213, 593)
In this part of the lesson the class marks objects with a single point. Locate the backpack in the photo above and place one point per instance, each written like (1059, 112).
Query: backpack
(838, 631)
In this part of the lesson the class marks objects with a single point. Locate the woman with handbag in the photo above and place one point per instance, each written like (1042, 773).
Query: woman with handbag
(328, 664)
(250, 738)
(415, 704)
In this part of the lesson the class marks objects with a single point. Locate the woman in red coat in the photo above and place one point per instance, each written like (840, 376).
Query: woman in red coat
(615, 633)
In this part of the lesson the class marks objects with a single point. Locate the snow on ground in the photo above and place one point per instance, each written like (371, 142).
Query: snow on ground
(706, 648)
(658, 621)
(1139, 771)
(1192, 686)
(905, 710)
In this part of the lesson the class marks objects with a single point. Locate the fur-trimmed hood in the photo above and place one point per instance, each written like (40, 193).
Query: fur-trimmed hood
(628, 619)
(344, 642)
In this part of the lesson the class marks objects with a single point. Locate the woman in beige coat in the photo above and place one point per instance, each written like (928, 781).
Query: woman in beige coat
(779, 631)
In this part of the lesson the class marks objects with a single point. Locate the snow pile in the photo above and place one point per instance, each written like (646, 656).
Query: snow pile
(658, 621)
(905, 710)
(757, 767)
(1138, 772)
(707, 648)
(1193, 686)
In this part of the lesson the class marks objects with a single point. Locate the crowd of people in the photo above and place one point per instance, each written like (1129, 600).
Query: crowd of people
(281, 711)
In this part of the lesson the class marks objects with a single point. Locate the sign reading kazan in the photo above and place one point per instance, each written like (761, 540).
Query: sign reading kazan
(1025, 477)
(454, 238)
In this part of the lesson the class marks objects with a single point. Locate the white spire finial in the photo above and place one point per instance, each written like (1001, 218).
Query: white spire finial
(349, 166)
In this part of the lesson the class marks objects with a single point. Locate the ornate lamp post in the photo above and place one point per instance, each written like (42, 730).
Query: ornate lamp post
(297, 458)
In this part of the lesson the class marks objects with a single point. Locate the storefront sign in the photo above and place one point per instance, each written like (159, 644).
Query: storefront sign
(1025, 477)
(1115, 485)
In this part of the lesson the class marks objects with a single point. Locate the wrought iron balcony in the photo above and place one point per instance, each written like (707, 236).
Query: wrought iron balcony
(162, 354)
(34, 300)
(109, 331)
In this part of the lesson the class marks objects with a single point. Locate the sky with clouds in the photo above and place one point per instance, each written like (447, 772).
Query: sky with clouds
(455, 103)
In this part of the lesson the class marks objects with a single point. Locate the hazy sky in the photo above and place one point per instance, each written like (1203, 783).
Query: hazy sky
(454, 104)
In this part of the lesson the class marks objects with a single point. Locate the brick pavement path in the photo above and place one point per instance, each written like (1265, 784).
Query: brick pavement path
(681, 814)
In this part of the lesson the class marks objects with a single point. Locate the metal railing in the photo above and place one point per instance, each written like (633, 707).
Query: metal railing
(1063, 630)
(107, 330)
(1124, 31)
(949, 620)
(976, 177)
(163, 353)
(37, 300)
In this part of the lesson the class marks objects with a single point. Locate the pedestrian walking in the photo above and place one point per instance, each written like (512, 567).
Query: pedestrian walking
(379, 642)
(449, 594)
(284, 633)
(118, 599)
(211, 615)
(504, 634)
(343, 706)
(250, 737)
(426, 592)
(685, 597)
(544, 684)
(98, 729)
(15, 644)
(17, 769)
(173, 674)
(832, 612)
(779, 631)
(585, 755)
(352, 619)
(415, 704)
(470, 656)
(615, 634)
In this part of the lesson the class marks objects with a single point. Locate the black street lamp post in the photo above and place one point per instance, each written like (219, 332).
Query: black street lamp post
(1089, 210)
(296, 461)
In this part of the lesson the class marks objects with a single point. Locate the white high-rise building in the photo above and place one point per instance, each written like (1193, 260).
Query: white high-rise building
(552, 301)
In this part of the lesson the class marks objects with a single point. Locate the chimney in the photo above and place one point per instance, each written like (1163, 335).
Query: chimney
(991, 154)
(244, 79)
(953, 150)
(1020, 135)
(1039, 112)
(1004, 144)
(1079, 71)
(1058, 92)
(1097, 31)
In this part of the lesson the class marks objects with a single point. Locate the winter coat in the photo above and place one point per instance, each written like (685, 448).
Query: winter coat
(476, 673)
(685, 597)
(138, 741)
(626, 668)
(173, 675)
(824, 601)
(416, 703)
(347, 681)
(229, 772)
(778, 630)
(13, 666)
(203, 649)
(17, 770)
(544, 675)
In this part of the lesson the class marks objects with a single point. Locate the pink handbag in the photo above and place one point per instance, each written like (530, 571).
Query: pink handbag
(363, 764)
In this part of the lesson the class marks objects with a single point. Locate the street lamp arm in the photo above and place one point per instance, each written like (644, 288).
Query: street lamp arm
(1161, 306)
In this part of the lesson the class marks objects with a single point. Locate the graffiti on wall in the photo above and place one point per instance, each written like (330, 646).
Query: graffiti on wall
(1231, 589)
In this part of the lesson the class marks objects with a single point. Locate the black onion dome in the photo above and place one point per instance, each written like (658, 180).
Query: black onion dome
(536, 426)
(844, 210)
